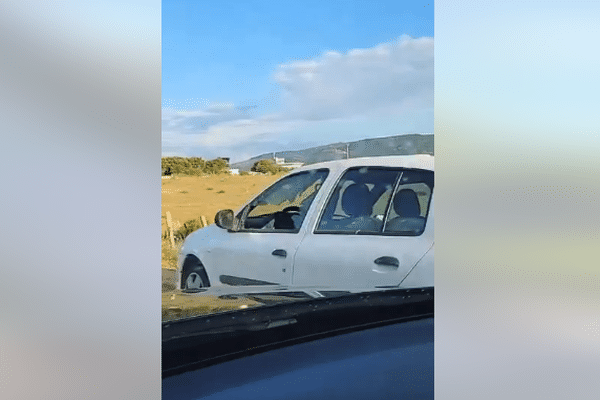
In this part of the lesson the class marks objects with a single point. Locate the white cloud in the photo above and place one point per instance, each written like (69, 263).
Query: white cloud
(389, 85)
(236, 139)
(359, 82)
(193, 121)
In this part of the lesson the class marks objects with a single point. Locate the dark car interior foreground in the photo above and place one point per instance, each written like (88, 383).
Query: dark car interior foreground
(376, 345)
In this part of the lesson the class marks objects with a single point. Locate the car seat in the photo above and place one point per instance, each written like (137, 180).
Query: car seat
(357, 203)
(409, 219)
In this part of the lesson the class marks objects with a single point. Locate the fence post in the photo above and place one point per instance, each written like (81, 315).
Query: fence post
(170, 229)
(203, 219)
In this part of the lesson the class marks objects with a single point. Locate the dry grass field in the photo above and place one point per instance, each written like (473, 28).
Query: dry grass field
(189, 197)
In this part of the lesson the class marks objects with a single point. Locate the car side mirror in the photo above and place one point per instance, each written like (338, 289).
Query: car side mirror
(224, 219)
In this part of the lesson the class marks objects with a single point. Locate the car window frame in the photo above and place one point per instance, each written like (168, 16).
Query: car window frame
(396, 184)
(242, 214)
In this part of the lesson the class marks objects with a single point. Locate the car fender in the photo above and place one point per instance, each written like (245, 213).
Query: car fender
(199, 244)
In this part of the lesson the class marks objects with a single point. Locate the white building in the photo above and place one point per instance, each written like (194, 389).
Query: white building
(281, 162)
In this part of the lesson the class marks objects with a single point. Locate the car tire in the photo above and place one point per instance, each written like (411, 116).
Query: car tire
(193, 275)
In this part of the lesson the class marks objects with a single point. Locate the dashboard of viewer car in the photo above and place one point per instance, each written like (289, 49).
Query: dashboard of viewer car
(364, 345)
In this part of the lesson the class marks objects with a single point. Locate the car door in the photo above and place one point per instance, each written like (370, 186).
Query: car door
(372, 231)
(261, 247)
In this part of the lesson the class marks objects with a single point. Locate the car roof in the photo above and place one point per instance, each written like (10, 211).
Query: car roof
(418, 161)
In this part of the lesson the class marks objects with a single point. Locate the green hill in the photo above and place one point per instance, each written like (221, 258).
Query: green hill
(385, 146)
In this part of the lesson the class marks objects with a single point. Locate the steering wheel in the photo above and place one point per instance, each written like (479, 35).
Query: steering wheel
(291, 210)
(283, 219)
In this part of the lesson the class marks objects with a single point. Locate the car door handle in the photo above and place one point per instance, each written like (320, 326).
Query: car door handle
(280, 253)
(389, 261)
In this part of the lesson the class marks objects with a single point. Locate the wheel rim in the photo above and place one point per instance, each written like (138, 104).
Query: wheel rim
(193, 281)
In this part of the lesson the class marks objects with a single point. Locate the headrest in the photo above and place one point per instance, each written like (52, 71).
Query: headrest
(356, 200)
(406, 204)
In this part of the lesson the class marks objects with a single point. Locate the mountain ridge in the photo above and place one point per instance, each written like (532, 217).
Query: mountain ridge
(406, 144)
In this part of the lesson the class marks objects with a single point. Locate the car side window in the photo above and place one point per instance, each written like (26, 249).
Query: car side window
(409, 207)
(283, 206)
(377, 200)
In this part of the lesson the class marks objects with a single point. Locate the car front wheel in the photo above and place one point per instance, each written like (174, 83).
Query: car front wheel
(193, 275)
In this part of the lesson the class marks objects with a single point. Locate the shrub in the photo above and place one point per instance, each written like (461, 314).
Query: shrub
(183, 232)
(187, 228)
(195, 172)
(267, 167)
(182, 165)
(192, 166)
(216, 166)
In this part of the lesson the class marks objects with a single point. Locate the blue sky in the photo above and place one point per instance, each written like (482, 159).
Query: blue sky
(242, 78)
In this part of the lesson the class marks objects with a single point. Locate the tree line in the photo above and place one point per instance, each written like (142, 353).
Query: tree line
(200, 166)
(192, 166)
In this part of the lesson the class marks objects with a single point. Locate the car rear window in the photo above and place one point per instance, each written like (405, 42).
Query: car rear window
(379, 201)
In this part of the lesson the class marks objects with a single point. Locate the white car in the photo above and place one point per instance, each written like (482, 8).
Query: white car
(354, 223)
